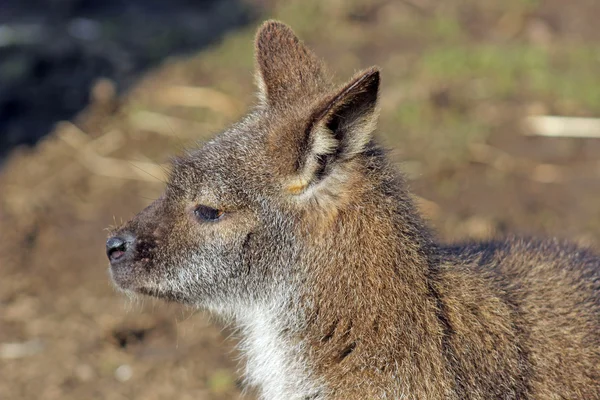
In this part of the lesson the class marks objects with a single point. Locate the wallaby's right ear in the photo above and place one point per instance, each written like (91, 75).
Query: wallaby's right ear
(286, 69)
(339, 130)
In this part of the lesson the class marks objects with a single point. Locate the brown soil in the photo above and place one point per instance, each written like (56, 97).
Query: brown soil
(65, 333)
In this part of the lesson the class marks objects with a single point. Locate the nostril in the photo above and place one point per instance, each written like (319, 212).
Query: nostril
(115, 248)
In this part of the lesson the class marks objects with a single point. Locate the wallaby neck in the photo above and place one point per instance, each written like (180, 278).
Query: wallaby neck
(358, 303)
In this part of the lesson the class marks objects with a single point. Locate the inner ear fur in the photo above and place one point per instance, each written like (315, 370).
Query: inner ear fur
(340, 127)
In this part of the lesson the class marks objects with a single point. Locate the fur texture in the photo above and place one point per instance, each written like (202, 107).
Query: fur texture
(336, 284)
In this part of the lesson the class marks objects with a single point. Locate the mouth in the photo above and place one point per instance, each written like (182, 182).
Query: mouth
(117, 254)
(125, 280)
(167, 295)
(126, 273)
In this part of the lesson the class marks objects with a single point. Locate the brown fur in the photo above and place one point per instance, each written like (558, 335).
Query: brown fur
(338, 287)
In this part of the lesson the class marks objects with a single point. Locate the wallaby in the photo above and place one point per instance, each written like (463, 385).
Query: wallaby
(294, 225)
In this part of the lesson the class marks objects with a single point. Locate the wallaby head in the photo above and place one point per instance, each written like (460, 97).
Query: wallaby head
(241, 214)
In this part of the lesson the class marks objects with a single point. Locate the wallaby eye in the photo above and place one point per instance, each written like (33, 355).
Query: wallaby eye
(206, 213)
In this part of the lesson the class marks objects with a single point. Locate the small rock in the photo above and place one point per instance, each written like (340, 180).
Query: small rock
(123, 373)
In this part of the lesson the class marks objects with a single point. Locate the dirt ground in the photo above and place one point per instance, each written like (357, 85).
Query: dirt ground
(459, 80)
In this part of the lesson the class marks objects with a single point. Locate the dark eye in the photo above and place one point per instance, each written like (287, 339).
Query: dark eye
(206, 213)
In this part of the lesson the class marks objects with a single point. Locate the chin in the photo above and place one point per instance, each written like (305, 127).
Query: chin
(165, 294)
(122, 279)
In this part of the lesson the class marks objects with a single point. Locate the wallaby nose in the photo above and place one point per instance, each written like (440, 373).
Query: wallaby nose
(116, 247)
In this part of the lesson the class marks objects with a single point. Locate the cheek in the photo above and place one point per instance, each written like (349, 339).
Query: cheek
(222, 246)
(156, 246)
(224, 233)
(192, 245)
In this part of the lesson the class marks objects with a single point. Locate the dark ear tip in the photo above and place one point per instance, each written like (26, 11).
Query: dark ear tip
(372, 74)
(368, 79)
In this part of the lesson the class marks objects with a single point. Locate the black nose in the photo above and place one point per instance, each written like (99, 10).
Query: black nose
(116, 248)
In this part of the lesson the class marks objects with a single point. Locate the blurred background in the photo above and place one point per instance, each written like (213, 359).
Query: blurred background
(95, 97)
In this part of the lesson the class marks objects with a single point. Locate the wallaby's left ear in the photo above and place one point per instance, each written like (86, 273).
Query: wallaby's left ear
(286, 70)
(341, 126)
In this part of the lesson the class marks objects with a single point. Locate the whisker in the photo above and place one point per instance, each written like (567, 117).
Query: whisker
(148, 173)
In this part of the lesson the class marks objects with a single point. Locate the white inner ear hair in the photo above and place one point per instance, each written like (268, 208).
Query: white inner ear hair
(323, 144)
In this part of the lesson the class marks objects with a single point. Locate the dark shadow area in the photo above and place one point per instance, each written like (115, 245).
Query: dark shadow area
(51, 52)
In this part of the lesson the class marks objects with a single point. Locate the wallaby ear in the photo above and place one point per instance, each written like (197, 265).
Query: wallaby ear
(340, 128)
(286, 69)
